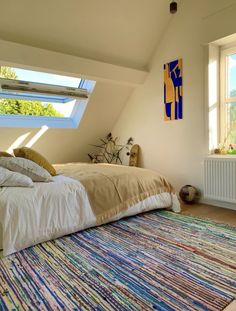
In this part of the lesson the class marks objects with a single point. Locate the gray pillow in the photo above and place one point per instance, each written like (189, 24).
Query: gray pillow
(13, 179)
(26, 167)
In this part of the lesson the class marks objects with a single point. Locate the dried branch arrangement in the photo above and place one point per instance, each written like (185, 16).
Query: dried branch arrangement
(109, 151)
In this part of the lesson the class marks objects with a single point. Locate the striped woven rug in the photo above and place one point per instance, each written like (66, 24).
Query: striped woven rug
(154, 261)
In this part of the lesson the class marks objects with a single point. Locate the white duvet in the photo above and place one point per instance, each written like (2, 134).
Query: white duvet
(29, 216)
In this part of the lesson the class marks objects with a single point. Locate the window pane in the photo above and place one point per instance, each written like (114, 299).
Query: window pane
(231, 122)
(35, 108)
(38, 77)
(31, 104)
(231, 64)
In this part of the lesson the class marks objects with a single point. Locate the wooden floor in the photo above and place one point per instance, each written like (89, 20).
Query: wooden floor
(217, 214)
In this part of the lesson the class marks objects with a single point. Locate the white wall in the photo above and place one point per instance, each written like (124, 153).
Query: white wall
(69, 145)
(113, 88)
(177, 148)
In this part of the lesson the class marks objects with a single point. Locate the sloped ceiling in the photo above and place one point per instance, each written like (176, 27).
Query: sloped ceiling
(118, 32)
(121, 32)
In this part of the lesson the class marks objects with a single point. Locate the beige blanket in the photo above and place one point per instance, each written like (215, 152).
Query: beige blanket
(113, 188)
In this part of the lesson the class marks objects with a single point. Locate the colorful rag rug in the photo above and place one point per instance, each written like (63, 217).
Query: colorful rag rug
(154, 261)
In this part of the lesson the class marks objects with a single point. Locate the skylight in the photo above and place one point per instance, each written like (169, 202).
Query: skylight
(39, 94)
(47, 78)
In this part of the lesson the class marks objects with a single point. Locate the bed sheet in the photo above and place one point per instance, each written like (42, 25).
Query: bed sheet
(29, 216)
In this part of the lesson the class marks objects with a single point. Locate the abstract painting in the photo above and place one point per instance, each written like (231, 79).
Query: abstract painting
(173, 90)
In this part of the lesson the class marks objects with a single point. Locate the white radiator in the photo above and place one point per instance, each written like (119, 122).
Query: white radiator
(220, 178)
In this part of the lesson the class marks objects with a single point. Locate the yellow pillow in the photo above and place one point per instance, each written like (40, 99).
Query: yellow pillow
(5, 154)
(36, 157)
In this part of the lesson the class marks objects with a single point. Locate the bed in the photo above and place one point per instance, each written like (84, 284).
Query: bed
(80, 196)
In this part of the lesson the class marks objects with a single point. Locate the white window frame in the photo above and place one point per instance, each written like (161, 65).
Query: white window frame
(51, 122)
(225, 52)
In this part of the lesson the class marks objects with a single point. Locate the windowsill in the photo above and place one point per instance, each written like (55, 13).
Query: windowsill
(222, 156)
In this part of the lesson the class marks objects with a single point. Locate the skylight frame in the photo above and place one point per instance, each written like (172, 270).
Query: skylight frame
(21, 86)
(38, 97)
(30, 121)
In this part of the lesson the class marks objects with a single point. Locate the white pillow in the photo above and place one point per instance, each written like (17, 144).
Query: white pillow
(26, 167)
(13, 179)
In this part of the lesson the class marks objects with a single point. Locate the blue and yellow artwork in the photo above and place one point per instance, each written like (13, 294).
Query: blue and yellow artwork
(173, 90)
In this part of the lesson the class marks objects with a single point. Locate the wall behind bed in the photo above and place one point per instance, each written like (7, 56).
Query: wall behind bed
(69, 145)
(177, 148)
(111, 36)
(114, 84)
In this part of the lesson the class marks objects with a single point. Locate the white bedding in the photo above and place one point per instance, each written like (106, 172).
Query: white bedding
(29, 216)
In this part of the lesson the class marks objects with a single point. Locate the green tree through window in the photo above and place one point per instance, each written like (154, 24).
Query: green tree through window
(24, 107)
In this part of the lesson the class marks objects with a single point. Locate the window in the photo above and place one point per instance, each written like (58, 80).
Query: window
(228, 96)
(33, 99)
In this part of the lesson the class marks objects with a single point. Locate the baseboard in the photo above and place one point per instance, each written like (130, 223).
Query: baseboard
(219, 203)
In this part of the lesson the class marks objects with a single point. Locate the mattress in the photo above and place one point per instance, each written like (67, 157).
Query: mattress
(113, 188)
(29, 216)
